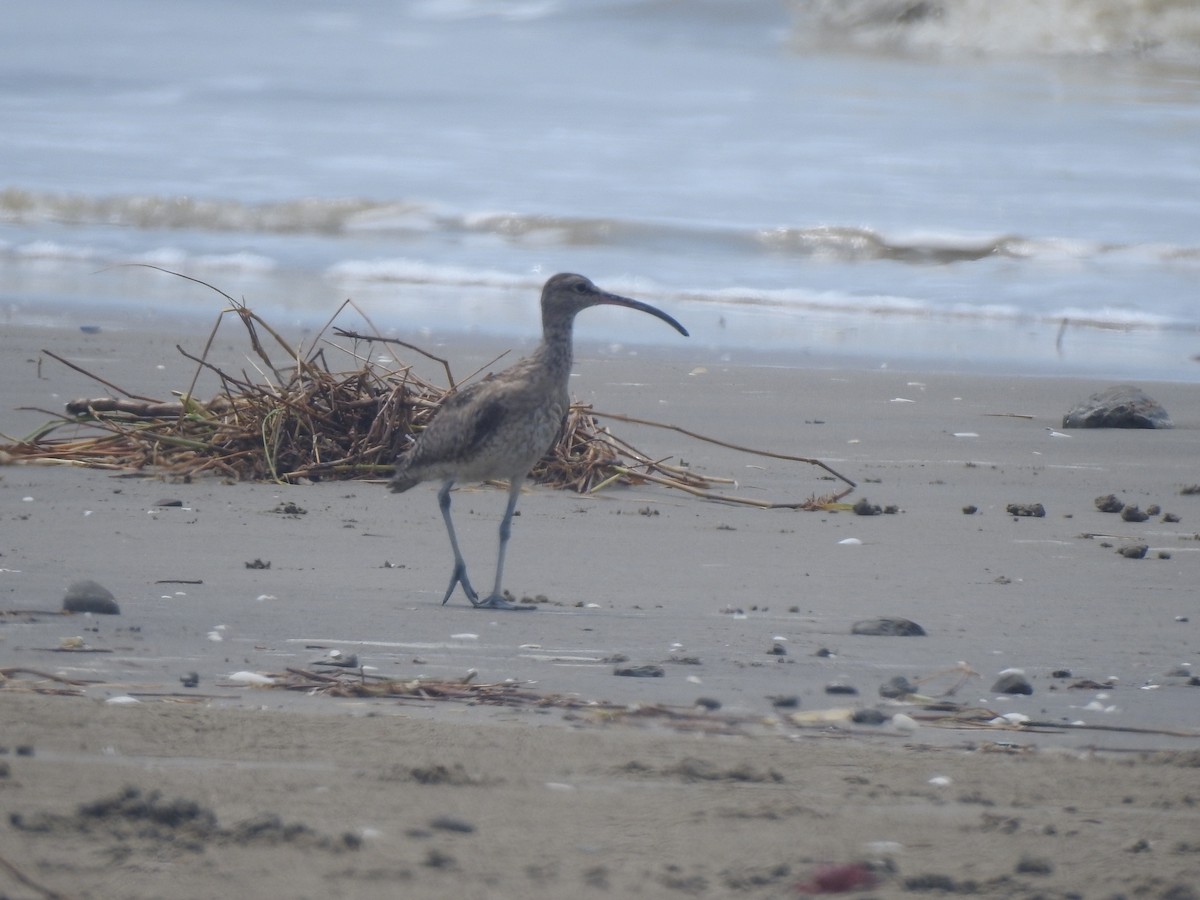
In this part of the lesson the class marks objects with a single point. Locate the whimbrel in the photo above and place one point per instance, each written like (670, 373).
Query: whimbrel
(501, 426)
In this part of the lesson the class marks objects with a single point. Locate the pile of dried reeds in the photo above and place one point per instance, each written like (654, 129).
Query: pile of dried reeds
(303, 420)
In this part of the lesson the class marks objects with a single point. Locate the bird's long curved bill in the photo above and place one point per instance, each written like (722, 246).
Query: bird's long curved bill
(618, 300)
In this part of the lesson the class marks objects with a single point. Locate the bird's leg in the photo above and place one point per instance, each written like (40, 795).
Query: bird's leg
(459, 575)
(496, 600)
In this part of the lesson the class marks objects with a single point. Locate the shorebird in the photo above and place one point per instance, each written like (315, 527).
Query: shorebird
(501, 426)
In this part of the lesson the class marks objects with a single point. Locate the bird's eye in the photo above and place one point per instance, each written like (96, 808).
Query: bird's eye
(580, 288)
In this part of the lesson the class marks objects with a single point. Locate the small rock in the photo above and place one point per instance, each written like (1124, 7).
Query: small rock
(1034, 865)
(1109, 503)
(837, 687)
(869, 717)
(175, 503)
(790, 701)
(1012, 683)
(709, 704)
(1035, 510)
(888, 627)
(89, 596)
(1061, 673)
(1133, 551)
(452, 823)
(190, 680)
(970, 509)
(864, 507)
(1120, 406)
(777, 649)
(1153, 509)
(641, 671)
(1133, 514)
(895, 688)
(258, 564)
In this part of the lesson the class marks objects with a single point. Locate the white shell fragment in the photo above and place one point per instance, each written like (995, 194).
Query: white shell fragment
(251, 678)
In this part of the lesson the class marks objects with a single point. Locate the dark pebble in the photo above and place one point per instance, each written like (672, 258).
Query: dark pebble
(777, 649)
(88, 596)
(897, 687)
(1036, 510)
(864, 507)
(1133, 514)
(1061, 673)
(1109, 503)
(450, 823)
(190, 680)
(1012, 683)
(1034, 865)
(641, 672)
(970, 509)
(169, 503)
(785, 702)
(888, 627)
(839, 688)
(1133, 551)
(708, 703)
(869, 717)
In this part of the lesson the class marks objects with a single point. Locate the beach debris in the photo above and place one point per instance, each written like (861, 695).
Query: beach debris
(88, 596)
(1119, 406)
(168, 503)
(1133, 551)
(339, 659)
(888, 626)
(840, 879)
(190, 680)
(1109, 503)
(970, 509)
(777, 649)
(708, 704)
(122, 700)
(646, 671)
(1012, 681)
(178, 823)
(304, 421)
(1036, 510)
(1131, 513)
(258, 564)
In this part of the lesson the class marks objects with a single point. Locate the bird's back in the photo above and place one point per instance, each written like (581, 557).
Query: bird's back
(496, 428)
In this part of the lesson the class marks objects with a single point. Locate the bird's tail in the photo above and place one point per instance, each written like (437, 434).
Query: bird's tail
(402, 481)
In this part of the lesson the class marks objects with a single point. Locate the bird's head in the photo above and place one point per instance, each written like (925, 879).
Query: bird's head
(566, 294)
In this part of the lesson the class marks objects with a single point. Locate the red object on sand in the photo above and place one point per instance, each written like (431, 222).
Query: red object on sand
(839, 879)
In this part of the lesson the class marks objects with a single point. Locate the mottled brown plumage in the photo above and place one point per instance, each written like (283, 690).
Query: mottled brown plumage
(501, 426)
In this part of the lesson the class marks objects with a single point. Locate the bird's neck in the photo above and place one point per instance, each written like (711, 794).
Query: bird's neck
(555, 352)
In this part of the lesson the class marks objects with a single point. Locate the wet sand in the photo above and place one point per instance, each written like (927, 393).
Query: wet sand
(739, 606)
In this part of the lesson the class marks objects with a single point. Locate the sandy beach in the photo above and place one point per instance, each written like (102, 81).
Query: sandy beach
(735, 773)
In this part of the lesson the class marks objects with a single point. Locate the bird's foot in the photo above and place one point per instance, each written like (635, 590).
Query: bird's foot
(457, 577)
(496, 601)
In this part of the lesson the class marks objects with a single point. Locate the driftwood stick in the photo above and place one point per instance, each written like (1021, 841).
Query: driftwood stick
(711, 440)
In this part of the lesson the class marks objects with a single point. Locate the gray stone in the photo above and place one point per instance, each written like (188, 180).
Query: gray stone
(888, 627)
(1012, 683)
(1119, 406)
(89, 596)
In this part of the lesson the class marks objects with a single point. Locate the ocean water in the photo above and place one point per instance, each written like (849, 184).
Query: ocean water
(971, 185)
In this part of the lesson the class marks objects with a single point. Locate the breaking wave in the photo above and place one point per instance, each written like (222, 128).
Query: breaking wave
(1158, 30)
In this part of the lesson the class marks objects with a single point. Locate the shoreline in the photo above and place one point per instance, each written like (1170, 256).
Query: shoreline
(362, 571)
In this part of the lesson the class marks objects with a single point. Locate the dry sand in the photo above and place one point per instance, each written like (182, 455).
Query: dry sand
(264, 792)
